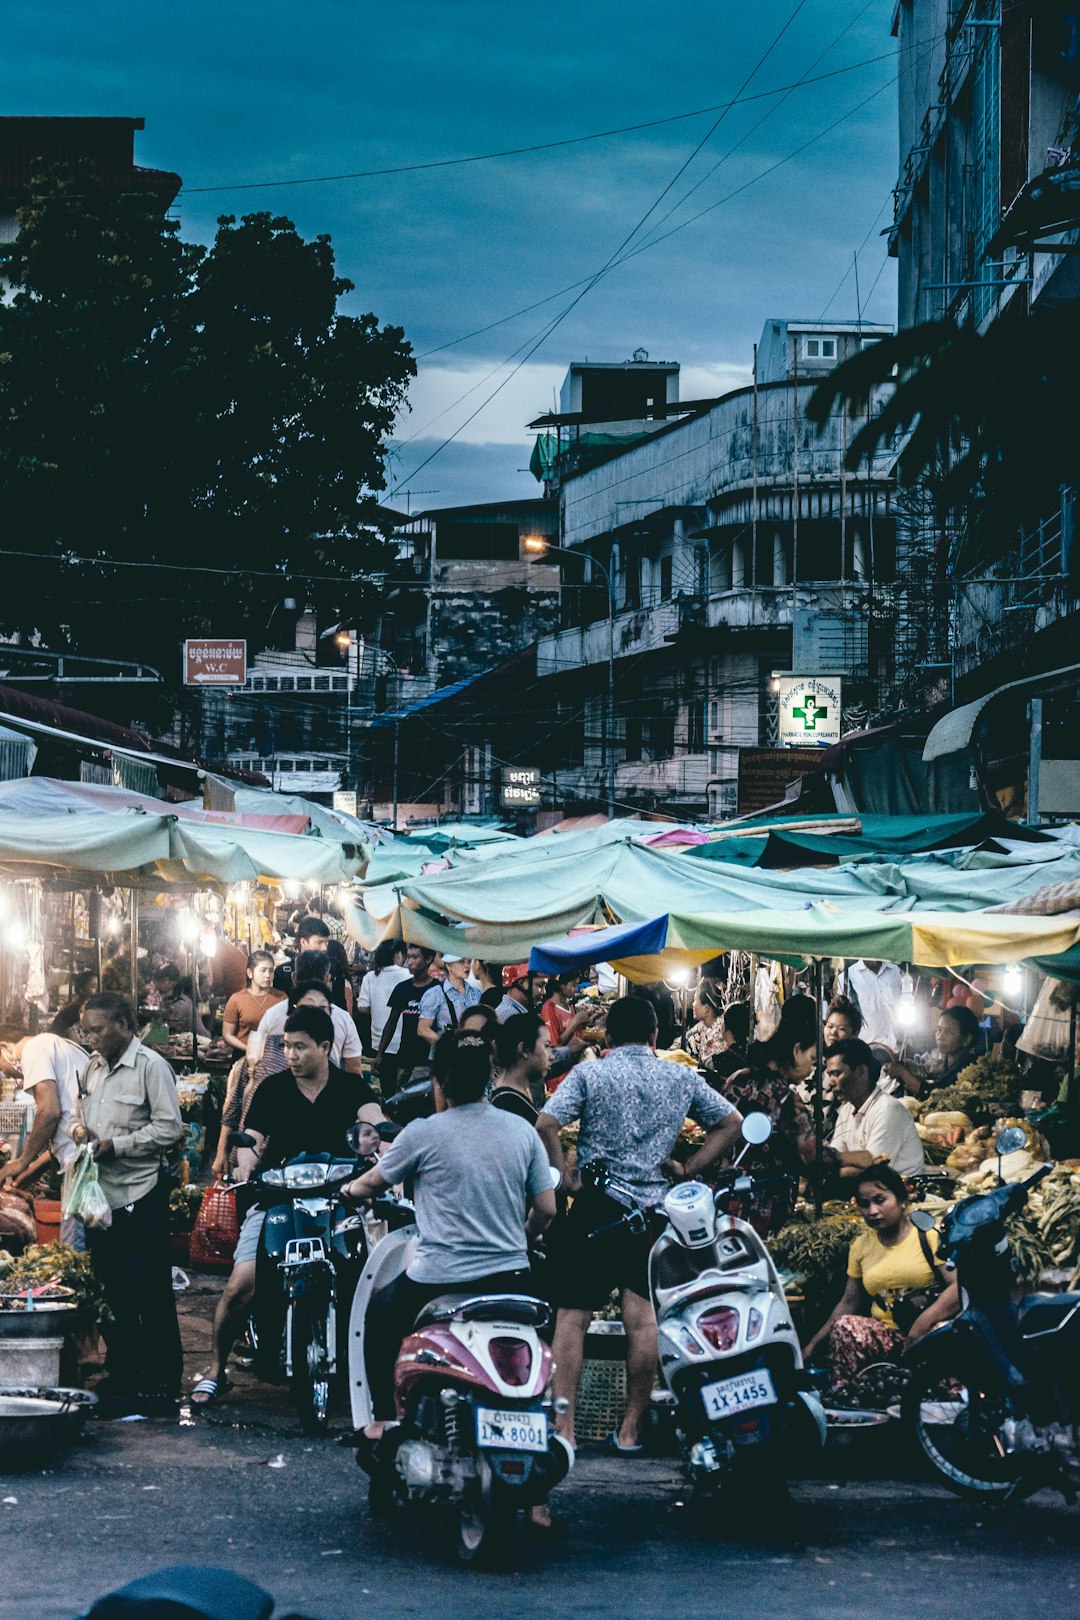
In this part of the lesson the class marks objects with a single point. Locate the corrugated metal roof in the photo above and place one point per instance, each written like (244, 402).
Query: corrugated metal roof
(441, 693)
(954, 731)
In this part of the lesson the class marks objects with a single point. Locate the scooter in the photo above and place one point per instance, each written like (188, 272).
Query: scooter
(729, 1352)
(475, 1432)
(994, 1395)
(311, 1254)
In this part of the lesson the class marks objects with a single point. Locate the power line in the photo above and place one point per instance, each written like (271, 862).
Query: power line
(539, 146)
(612, 259)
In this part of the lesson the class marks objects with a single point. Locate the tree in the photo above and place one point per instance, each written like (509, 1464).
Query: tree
(987, 421)
(163, 404)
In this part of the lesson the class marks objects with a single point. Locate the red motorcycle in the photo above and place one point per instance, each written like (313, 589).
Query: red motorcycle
(475, 1433)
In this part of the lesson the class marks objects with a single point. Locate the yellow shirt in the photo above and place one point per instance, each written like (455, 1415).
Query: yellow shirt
(890, 1271)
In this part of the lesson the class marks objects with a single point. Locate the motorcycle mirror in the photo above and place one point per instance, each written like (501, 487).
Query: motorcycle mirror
(756, 1128)
(240, 1139)
(388, 1131)
(556, 1178)
(923, 1220)
(1010, 1140)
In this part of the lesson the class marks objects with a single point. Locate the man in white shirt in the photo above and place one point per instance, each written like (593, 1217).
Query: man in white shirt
(876, 986)
(386, 971)
(52, 1069)
(871, 1124)
(346, 1052)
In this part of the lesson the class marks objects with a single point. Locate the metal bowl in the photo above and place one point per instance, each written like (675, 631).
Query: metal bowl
(36, 1422)
(50, 1320)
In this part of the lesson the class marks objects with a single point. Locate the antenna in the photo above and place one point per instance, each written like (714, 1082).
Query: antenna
(858, 299)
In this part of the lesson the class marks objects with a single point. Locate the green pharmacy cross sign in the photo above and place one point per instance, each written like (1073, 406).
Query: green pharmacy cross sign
(810, 712)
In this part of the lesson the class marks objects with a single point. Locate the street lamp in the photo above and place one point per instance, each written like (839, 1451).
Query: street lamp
(537, 545)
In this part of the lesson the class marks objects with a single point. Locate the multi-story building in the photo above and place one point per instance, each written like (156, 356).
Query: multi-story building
(737, 549)
(104, 148)
(986, 231)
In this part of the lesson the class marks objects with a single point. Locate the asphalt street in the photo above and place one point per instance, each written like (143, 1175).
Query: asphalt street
(241, 1488)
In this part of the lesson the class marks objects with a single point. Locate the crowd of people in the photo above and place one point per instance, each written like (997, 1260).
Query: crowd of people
(507, 1058)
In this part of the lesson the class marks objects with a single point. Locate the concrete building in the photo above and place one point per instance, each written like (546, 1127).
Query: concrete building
(987, 230)
(104, 148)
(737, 547)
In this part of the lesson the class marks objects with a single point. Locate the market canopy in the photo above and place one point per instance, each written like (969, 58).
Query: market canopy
(794, 841)
(651, 951)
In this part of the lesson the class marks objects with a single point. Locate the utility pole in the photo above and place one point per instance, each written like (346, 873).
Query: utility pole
(539, 546)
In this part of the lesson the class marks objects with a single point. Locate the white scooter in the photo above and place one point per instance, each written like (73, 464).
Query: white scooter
(475, 1431)
(729, 1352)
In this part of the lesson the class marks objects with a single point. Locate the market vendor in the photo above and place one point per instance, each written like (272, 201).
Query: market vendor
(51, 1069)
(956, 1044)
(176, 1008)
(871, 1125)
(896, 1289)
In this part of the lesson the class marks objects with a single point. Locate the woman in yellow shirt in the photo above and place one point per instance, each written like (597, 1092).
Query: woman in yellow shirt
(886, 1262)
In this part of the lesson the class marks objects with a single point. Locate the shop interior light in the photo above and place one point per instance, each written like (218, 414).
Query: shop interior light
(905, 1007)
(679, 977)
(1013, 981)
(291, 891)
(15, 935)
(208, 944)
(189, 927)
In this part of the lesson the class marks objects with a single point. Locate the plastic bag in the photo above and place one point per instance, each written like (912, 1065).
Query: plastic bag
(82, 1198)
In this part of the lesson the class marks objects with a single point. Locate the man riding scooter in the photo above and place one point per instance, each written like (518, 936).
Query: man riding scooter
(306, 1108)
(474, 1172)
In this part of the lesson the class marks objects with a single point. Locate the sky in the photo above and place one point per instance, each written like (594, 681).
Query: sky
(237, 92)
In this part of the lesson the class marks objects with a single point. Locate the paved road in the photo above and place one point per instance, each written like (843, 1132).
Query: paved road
(135, 1496)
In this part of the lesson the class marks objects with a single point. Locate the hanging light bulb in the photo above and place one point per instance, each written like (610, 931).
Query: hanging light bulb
(208, 944)
(905, 1007)
(189, 927)
(1013, 980)
(679, 977)
(15, 935)
(291, 891)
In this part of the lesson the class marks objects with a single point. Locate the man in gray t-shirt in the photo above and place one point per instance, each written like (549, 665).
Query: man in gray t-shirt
(481, 1187)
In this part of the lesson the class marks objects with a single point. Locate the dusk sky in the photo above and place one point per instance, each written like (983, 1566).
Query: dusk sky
(238, 91)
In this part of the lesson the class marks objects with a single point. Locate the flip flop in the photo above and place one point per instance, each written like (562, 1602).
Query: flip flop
(612, 1444)
(208, 1391)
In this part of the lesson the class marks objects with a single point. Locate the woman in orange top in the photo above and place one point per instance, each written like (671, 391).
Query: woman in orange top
(244, 1010)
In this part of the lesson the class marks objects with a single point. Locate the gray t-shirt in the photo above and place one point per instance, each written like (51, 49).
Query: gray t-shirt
(474, 1168)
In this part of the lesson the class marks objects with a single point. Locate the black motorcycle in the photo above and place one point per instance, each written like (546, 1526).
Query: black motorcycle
(311, 1254)
(994, 1397)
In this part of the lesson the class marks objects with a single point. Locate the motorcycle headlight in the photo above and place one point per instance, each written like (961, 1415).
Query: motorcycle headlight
(272, 1178)
(304, 1175)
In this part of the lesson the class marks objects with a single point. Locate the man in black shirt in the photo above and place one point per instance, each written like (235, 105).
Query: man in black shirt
(404, 1007)
(311, 935)
(306, 1108)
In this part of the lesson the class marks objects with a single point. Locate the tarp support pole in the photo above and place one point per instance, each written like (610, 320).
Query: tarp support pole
(819, 1089)
(133, 947)
(1072, 1108)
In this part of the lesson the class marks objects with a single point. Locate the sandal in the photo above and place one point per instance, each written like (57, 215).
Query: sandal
(612, 1444)
(208, 1391)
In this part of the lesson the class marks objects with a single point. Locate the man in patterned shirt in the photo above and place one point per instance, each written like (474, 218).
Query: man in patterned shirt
(631, 1106)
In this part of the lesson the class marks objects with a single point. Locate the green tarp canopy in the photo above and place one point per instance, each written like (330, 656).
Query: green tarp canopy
(790, 842)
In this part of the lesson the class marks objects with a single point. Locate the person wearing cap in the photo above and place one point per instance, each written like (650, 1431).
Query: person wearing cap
(443, 1005)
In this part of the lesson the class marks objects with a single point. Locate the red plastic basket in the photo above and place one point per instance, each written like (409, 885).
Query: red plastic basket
(213, 1238)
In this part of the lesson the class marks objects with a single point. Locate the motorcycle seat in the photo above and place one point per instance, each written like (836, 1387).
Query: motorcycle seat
(518, 1308)
(1044, 1313)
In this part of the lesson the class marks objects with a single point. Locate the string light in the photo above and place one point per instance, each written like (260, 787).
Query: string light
(1013, 980)
(905, 1007)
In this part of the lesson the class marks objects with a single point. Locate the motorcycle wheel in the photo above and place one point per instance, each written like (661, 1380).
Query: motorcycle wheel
(486, 1534)
(310, 1360)
(955, 1427)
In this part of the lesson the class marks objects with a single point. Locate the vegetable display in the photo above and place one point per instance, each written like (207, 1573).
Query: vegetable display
(981, 1093)
(55, 1263)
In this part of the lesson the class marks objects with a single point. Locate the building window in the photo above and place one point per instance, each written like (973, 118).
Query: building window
(695, 726)
(665, 577)
(303, 683)
(321, 683)
(819, 348)
(288, 683)
(271, 683)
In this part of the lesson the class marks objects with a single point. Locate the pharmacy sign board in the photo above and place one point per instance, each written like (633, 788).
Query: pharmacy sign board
(809, 710)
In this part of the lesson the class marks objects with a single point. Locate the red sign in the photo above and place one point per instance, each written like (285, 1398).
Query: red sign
(215, 663)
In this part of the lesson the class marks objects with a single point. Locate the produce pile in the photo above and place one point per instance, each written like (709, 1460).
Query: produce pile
(816, 1253)
(55, 1264)
(983, 1092)
(184, 1207)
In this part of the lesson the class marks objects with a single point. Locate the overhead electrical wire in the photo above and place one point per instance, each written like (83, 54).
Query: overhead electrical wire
(535, 147)
(613, 257)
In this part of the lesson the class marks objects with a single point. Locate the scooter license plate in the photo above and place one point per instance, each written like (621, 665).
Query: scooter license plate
(511, 1431)
(734, 1395)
